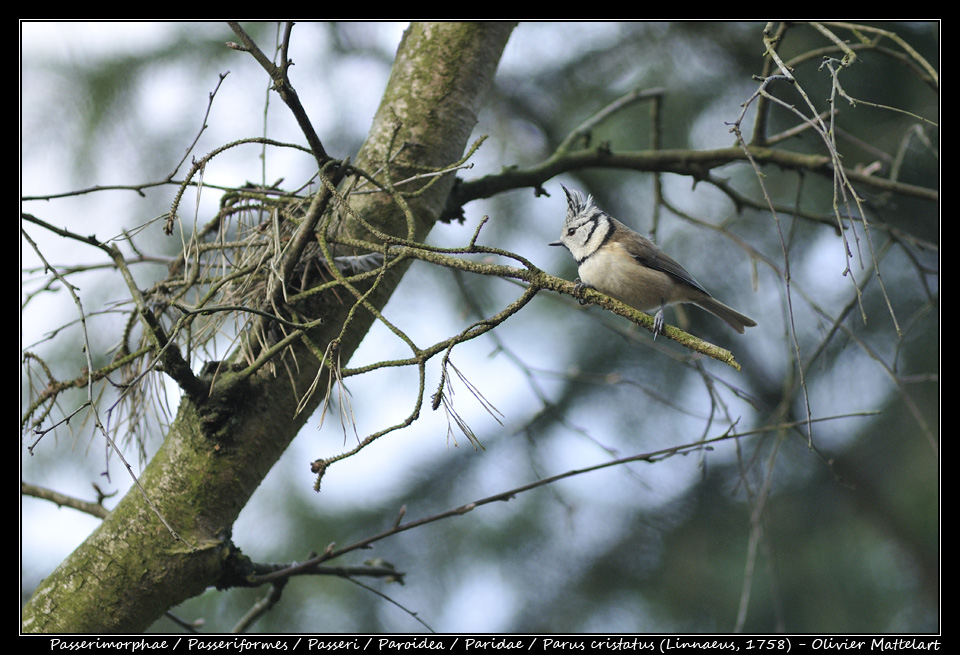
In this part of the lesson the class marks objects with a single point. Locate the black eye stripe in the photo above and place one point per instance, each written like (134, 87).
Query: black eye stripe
(594, 218)
(589, 224)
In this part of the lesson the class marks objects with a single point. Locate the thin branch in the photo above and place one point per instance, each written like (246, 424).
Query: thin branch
(281, 83)
(261, 607)
(93, 407)
(580, 132)
(786, 262)
(649, 457)
(62, 500)
(694, 164)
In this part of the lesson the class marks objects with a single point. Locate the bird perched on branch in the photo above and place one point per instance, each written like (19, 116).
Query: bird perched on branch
(620, 263)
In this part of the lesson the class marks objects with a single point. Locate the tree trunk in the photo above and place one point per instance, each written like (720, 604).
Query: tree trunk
(131, 569)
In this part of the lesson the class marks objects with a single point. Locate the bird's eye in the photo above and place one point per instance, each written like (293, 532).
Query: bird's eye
(571, 232)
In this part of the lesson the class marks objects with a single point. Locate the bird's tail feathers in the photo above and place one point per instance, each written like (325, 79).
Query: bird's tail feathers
(732, 317)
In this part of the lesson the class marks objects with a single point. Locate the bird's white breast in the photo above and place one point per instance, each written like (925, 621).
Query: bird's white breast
(613, 271)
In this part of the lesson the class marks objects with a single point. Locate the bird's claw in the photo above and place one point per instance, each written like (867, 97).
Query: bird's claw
(578, 288)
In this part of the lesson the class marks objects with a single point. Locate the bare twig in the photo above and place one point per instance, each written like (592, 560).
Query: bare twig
(93, 407)
(504, 496)
(281, 83)
(63, 500)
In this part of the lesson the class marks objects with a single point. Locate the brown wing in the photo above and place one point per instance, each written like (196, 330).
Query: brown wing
(648, 254)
